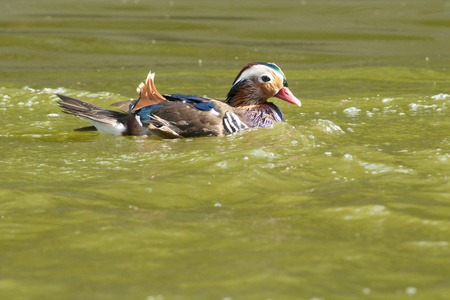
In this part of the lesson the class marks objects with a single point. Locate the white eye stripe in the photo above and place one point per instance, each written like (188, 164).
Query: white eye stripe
(255, 71)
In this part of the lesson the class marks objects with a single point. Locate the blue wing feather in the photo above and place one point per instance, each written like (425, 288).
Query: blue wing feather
(146, 111)
(187, 98)
(204, 105)
(201, 103)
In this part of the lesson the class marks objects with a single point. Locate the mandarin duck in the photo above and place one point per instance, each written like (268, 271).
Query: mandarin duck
(182, 116)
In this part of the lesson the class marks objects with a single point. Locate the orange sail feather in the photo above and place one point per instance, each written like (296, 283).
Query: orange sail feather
(148, 95)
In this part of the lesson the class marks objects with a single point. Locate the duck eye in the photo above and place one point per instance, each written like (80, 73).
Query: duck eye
(265, 78)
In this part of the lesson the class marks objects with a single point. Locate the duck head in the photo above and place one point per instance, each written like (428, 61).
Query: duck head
(258, 82)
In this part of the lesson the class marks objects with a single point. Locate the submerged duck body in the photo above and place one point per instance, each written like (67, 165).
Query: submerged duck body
(178, 116)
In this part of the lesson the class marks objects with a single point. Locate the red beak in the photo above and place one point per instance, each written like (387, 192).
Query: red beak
(286, 95)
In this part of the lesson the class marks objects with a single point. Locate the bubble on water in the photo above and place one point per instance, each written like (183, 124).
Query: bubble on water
(410, 290)
(222, 164)
(348, 156)
(443, 158)
(372, 210)
(413, 106)
(434, 107)
(27, 88)
(432, 243)
(375, 168)
(389, 110)
(217, 205)
(386, 100)
(40, 124)
(361, 212)
(262, 153)
(59, 90)
(366, 291)
(352, 111)
(440, 96)
(404, 171)
(157, 297)
(329, 127)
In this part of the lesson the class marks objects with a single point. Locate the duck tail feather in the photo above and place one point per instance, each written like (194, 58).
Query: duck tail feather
(104, 120)
(148, 94)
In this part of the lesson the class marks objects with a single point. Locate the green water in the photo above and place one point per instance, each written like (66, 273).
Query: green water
(348, 199)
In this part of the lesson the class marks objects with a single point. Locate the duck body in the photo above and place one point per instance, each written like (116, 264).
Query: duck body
(188, 116)
(182, 116)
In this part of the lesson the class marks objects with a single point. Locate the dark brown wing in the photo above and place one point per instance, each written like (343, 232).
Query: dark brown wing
(186, 120)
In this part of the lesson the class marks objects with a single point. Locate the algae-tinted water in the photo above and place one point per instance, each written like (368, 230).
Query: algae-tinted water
(349, 199)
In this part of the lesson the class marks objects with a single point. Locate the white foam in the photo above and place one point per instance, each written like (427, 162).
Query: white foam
(352, 111)
(440, 96)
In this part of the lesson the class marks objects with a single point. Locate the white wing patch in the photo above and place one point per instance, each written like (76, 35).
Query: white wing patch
(105, 128)
(215, 112)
